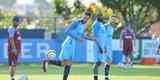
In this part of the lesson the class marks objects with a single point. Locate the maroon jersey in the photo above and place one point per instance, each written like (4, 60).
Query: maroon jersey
(15, 34)
(127, 37)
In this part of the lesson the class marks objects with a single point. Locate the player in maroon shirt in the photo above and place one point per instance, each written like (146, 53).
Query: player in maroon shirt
(127, 43)
(14, 45)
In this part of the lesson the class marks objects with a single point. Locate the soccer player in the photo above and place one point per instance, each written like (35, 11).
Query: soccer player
(14, 45)
(103, 35)
(127, 41)
(108, 43)
(74, 33)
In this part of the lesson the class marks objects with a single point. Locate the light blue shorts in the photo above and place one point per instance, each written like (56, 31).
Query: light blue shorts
(67, 50)
(98, 57)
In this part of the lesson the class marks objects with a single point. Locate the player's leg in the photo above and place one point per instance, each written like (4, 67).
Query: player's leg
(12, 72)
(95, 69)
(66, 58)
(47, 60)
(107, 69)
(67, 66)
(126, 58)
(53, 62)
(98, 58)
(130, 59)
(12, 65)
(129, 56)
(108, 62)
(64, 54)
(126, 55)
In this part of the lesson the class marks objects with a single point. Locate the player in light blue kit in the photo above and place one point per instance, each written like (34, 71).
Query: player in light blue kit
(98, 31)
(108, 43)
(103, 35)
(74, 33)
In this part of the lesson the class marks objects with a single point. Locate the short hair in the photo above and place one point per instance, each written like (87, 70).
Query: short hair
(16, 19)
(88, 13)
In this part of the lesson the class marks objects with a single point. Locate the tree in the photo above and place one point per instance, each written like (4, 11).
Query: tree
(155, 4)
(78, 7)
(61, 8)
(135, 12)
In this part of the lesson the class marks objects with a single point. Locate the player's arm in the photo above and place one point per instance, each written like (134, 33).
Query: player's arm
(95, 32)
(121, 39)
(91, 37)
(70, 30)
(11, 38)
(134, 40)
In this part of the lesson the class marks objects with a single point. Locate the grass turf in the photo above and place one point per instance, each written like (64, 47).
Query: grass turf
(84, 72)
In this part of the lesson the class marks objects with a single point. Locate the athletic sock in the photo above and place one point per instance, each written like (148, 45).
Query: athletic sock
(106, 71)
(95, 70)
(55, 62)
(66, 72)
(95, 77)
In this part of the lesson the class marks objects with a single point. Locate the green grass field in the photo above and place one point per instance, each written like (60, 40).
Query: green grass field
(83, 72)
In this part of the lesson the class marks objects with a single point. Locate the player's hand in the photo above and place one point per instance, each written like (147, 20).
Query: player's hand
(93, 39)
(87, 33)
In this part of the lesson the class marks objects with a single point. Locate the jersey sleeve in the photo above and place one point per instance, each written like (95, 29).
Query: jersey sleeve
(11, 32)
(95, 28)
(70, 30)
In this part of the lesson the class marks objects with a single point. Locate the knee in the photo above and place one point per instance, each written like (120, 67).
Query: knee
(97, 64)
(66, 62)
(108, 62)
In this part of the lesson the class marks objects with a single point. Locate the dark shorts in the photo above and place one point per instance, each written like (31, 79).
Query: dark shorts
(127, 51)
(12, 59)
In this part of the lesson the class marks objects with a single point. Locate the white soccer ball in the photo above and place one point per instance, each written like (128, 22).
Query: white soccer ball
(51, 54)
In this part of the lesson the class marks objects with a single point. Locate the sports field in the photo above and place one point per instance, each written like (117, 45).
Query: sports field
(83, 72)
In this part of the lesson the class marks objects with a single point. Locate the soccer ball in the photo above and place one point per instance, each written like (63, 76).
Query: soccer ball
(51, 54)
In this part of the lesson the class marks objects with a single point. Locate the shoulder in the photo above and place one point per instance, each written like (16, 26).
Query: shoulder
(11, 29)
(76, 21)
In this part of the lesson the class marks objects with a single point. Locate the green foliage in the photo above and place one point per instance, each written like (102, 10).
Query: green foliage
(79, 8)
(138, 13)
(5, 18)
(58, 5)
